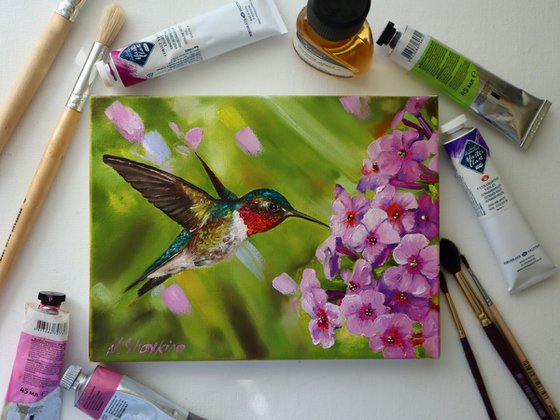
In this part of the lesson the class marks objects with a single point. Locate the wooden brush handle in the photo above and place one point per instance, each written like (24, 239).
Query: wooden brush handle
(525, 364)
(478, 378)
(32, 75)
(38, 190)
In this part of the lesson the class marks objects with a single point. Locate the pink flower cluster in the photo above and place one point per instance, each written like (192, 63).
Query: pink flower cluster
(381, 260)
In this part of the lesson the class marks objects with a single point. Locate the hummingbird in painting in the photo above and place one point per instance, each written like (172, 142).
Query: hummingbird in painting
(212, 228)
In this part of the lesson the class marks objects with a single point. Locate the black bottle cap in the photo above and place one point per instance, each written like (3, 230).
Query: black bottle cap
(51, 298)
(335, 20)
(387, 34)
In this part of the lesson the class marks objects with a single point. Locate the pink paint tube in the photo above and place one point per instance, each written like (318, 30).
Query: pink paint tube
(105, 394)
(229, 27)
(33, 392)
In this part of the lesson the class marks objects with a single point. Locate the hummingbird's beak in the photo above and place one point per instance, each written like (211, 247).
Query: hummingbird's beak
(295, 213)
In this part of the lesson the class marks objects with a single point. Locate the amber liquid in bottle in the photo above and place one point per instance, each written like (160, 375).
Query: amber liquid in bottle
(354, 53)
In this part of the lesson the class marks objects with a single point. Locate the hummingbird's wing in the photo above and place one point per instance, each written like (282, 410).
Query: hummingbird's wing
(222, 191)
(184, 202)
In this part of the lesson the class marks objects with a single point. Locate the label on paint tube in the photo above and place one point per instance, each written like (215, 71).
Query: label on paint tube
(512, 110)
(437, 64)
(488, 194)
(33, 389)
(111, 396)
(522, 259)
(232, 26)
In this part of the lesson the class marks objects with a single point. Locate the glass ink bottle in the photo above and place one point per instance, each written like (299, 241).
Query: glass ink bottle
(334, 36)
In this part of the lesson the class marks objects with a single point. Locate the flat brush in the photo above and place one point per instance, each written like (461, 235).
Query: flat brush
(38, 64)
(451, 261)
(109, 26)
(467, 349)
(502, 325)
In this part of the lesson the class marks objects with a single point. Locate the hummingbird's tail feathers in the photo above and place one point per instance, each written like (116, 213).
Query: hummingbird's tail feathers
(184, 202)
(222, 191)
(151, 283)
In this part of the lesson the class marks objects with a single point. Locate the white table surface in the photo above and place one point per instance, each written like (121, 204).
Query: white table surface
(515, 39)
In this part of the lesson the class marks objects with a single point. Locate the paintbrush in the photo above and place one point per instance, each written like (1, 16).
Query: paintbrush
(467, 349)
(109, 26)
(451, 261)
(38, 64)
(502, 325)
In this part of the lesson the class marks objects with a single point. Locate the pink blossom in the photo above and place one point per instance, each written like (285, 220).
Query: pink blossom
(357, 106)
(360, 278)
(176, 300)
(248, 141)
(401, 153)
(325, 317)
(193, 137)
(284, 284)
(373, 176)
(397, 119)
(392, 335)
(415, 104)
(418, 262)
(176, 129)
(361, 310)
(427, 217)
(430, 333)
(398, 206)
(126, 121)
(374, 237)
(347, 212)
(329, 257)
(309, 281)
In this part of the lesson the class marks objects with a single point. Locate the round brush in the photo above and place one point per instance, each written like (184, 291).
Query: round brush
(467, 349)
(450, 259)
(109, 26)
(40, 60)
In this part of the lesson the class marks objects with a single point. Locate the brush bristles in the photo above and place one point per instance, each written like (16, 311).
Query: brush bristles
(110, 24)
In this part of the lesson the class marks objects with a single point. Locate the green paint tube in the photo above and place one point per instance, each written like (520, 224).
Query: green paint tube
(513, 111)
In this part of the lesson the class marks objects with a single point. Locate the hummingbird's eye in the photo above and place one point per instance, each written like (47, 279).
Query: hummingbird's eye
(273, 207)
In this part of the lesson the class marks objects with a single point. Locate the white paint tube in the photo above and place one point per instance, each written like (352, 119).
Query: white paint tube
(522, 258)
(229, 27)
(105, 394)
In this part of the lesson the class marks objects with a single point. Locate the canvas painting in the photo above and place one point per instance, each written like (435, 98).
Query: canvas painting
(283, 227)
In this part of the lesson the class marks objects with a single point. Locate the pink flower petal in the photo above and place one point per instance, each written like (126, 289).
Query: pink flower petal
(176, 300)
(357, 106)
(248, 141)
(284, 284)
(126, 121)
(176, 129)
(194, 137)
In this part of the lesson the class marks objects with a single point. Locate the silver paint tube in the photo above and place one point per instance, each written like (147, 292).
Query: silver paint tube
(512, 110)
(106, 394)
(521, 257)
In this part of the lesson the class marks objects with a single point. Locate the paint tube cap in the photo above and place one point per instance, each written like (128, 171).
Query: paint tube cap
(51, 298)
(337, 20)
(70, 376)
(454, 124)
(387, 34)
(105, 73)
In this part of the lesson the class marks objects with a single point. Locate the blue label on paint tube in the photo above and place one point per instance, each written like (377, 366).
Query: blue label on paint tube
(474, 157)
(137, 53)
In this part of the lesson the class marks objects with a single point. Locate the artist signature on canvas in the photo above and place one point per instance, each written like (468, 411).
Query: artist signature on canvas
(136, 346)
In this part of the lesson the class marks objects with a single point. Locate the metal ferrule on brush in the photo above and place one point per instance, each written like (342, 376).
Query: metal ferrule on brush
(81, 91)
(473, 300)
(69, 9)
